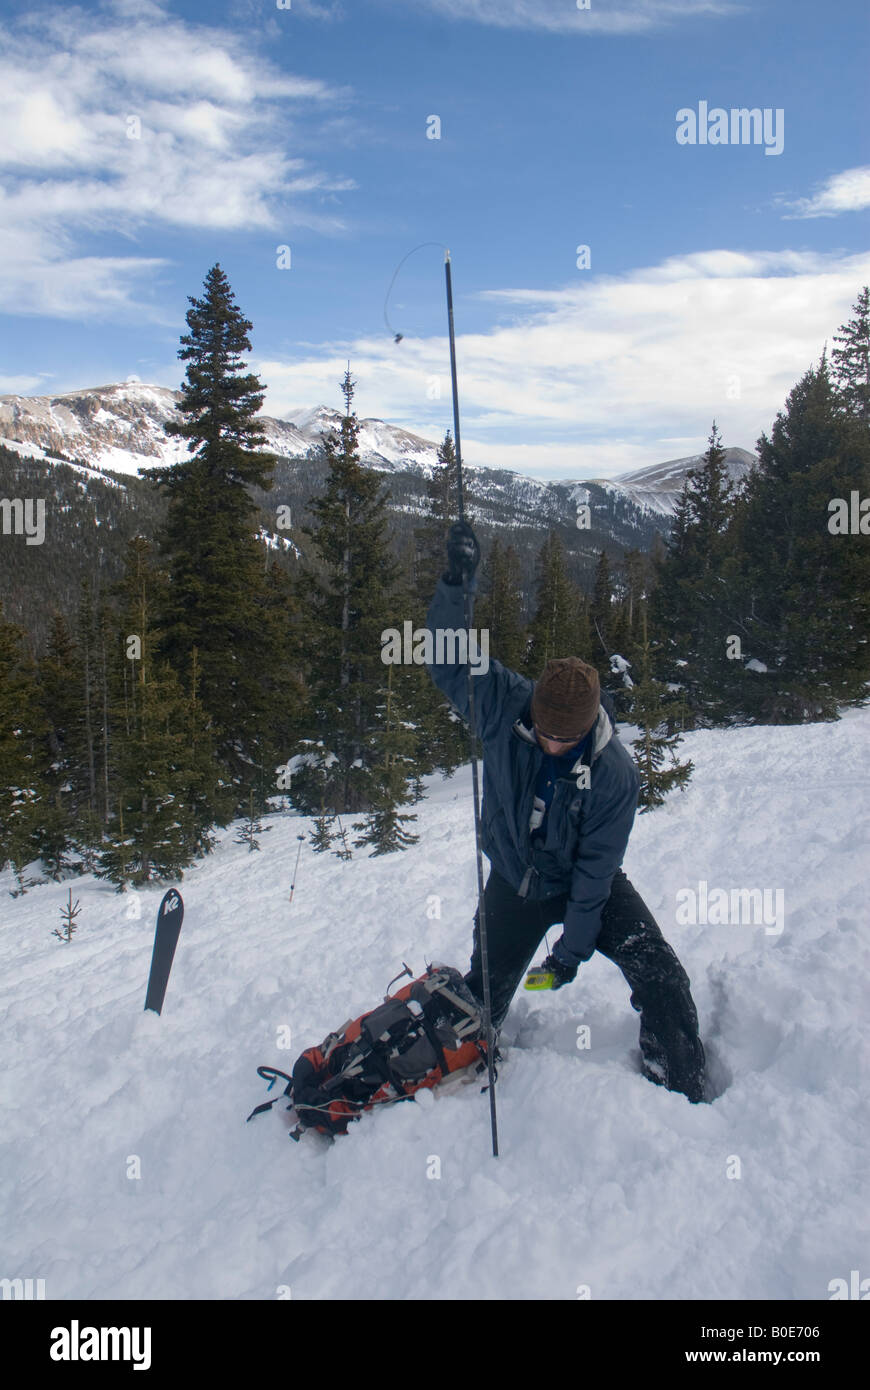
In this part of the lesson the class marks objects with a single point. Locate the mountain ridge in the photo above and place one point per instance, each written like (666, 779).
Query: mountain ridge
(119, 427)
(81, 451)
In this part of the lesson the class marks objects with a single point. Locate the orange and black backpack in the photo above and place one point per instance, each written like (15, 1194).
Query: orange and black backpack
(424, 1032)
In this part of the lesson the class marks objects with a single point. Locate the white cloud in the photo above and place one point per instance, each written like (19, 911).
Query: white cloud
(211, 121)
(848, 191)
(565, 17)
(40, 273)
(609, 374)
(19, 385)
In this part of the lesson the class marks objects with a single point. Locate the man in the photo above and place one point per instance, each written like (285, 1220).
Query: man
(559, 799)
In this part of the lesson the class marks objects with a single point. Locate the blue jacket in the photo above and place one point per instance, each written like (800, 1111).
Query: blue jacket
(587, 828)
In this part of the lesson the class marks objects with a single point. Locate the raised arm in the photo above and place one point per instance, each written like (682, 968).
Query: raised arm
(497, 690)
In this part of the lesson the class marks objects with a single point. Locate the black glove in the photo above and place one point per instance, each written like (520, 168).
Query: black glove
(463, 553)
(563, 972)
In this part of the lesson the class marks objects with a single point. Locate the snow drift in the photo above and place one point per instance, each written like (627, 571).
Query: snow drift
(129, 1170)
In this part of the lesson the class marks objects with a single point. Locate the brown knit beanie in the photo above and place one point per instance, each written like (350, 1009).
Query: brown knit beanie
(565, 700)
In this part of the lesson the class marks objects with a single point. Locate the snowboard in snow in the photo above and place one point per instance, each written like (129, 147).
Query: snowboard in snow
(169, 917)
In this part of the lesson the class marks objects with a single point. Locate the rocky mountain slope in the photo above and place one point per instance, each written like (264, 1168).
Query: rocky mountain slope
(120, 427)
(81, 452)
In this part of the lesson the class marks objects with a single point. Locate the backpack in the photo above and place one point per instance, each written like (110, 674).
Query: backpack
(428, 1030)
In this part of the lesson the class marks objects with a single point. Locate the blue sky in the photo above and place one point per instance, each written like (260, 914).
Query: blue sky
(716, 271)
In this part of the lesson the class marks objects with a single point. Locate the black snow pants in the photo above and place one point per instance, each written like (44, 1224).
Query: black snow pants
(672, 1052)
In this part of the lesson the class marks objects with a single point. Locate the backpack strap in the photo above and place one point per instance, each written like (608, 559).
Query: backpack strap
(428, 1027)
(381, 1064)
(274, 1073)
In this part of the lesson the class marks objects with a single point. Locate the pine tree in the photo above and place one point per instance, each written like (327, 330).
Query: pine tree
(442, 743)
(61, 705)
(439, 736)
(396, 781)
(798, 590)
(68, 917)
(352, 603)
(600, 613)
(499, 612)
(221, 600)
(26, 804)
(851, 360)
(629, 603)
(90, 821)
(630, 592)
(251, 827)
(340, 837)
(322, 837)
(636, 584)
(560, 625)
(691, 601)
(89, 711)
(103, 633)
(442, 491)
(652, 710)
(164, 775)
(711, 495)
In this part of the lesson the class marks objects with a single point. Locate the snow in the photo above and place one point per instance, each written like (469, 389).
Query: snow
(656, 488)
(603, 1179)
(32, 451)
(126, 461)
(26, 450)
(619, 666)
(123, 429)
(649, 501)
(274, 542)
(312, 417)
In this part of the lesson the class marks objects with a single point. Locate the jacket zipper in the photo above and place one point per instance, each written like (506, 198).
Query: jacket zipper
(523, 889)
(528, 802)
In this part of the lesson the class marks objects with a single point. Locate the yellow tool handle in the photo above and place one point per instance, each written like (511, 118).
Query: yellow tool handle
(538, 978)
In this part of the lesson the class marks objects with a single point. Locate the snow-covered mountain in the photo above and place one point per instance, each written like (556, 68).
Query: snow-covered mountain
(657, 488)
(120, 427)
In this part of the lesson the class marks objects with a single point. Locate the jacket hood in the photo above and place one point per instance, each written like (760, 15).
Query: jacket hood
(602, 734)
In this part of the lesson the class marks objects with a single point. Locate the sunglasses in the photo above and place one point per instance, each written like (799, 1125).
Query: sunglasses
(553, 738)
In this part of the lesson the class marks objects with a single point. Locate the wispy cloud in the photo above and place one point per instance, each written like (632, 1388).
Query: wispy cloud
(327, 10)
(608, 375)
(848, 191)
(567, 17)
(128, 118)
(19, 385)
